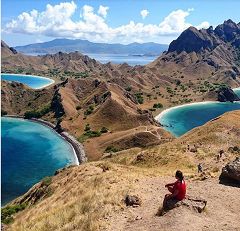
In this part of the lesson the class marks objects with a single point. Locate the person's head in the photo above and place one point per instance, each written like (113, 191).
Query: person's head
(179, 175)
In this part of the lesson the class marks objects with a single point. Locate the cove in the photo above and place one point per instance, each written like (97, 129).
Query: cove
(30, 152)
(35, 82)
(181, 119)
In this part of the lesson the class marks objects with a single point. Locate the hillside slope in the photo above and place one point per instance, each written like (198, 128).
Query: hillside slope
(71, 199)
(211, 55)
(95, 112)
(196, 63)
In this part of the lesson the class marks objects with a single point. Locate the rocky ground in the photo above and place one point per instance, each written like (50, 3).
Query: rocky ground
(221, 213)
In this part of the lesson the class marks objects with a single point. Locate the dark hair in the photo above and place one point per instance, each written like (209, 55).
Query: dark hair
(179, 175)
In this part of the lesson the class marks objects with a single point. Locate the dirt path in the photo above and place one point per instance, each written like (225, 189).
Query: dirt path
(222, 211)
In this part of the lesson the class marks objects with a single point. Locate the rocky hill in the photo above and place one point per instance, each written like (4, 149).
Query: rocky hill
(93, 111)
(70, 200)
(109, 109)
(196, 66)
(196, 63)
(204, 55)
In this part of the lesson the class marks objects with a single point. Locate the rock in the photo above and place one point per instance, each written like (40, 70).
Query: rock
(132, 200)
(231, 172)
(138, 218)
(227, 94)
(96, 82)
(192, 40)
(234, 149)
(193, 203)
(193, 149)
(221, 151)
(140, 157)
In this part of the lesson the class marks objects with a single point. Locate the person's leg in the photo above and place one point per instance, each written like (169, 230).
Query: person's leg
(165, 200)
(170, 189)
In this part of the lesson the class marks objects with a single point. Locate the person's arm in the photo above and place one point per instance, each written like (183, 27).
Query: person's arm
(171, 184)
(175, 193)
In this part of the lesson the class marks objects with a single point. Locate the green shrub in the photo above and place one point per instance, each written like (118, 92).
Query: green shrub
(31, 114)
(89, 110)
(8, 211)
(111, 149)
(46, 181)
(78, 107)
(139, 98)
(37, 113)
(89, 134)
(178, 82)
(104, 130)
(81, 75)
(129, 88)
(87, 128)
(157, 105)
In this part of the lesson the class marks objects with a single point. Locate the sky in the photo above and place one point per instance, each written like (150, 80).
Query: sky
(110, 21)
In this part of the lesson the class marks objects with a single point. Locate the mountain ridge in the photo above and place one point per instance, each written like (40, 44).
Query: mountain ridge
(85, 46)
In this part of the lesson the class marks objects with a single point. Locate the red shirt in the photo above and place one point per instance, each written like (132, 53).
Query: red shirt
(181, 187)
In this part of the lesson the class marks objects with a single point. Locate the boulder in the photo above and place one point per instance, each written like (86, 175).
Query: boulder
(193, 203)
(231, 172)
(140, 157)
(132, 200)
(227, 94)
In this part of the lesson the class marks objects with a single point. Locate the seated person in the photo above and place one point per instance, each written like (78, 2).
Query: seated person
(177, 189)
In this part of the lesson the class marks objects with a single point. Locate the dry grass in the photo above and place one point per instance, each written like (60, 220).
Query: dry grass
(86, 196)
(83, 197)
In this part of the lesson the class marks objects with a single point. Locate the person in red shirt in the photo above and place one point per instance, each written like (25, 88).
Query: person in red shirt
(177, 189)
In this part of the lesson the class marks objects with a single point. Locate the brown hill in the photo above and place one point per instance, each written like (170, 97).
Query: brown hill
(197, 62)
(208, 54)
(84, 107)
(71, 199)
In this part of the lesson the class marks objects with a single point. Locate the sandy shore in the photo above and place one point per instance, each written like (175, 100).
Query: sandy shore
(76, 146)
(39, 77)
(158, 117)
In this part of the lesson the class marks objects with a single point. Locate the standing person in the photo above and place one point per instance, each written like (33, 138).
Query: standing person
(200, 168)
(177, 189)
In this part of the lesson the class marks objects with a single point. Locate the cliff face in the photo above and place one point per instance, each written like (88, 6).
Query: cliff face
(195, 57)
(206, 54)
(193, 40)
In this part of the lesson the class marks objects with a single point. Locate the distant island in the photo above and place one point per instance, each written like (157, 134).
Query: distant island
(85, 46)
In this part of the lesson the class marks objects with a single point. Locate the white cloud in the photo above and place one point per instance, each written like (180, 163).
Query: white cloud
(103, 10)
(203, 25)
(56, 21)
(190, 9)
(144, 13)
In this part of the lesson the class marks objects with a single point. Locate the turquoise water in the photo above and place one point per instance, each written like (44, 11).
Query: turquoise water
(181, 119)
(30, 151)
(35, 82)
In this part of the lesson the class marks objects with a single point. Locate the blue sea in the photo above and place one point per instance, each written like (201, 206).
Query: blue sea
(30, 151)
(35, 82)
(131, 60)
(181, 119)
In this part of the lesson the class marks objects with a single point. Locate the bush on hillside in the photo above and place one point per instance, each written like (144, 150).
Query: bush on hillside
(8, 211)
(37, 113)
(157, 105)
